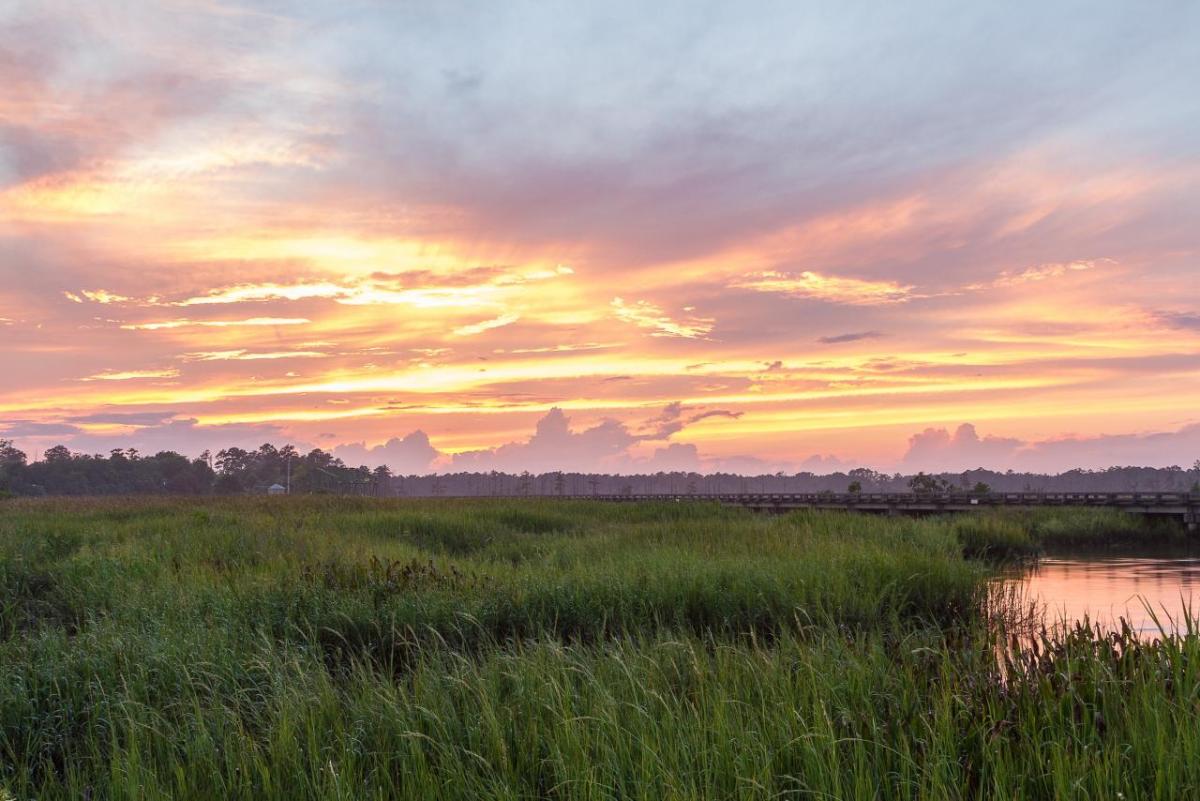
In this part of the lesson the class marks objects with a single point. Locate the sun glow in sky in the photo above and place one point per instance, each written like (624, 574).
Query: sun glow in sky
(714, 236)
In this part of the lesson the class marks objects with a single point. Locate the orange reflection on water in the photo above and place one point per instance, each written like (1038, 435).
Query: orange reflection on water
(1104, 589)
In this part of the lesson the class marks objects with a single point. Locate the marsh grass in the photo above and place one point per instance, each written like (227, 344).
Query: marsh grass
(303, 648)
(1062, 528)
(993, 536)
(1017, 534)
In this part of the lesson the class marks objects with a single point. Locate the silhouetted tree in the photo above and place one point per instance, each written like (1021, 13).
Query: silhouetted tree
(922, 483)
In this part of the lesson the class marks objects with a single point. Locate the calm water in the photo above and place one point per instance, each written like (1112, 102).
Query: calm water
(1105, 588)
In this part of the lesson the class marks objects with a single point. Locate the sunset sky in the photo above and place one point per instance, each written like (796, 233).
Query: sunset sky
(741, 236)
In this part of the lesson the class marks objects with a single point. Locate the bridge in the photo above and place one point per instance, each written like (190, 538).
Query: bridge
(1182, 505)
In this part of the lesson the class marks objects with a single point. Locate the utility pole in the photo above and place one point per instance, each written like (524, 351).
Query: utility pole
(289, 475)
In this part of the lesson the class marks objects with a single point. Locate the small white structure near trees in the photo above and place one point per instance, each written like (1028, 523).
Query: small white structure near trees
(277, 489)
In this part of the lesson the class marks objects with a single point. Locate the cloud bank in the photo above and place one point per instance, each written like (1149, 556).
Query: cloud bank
(937, 450)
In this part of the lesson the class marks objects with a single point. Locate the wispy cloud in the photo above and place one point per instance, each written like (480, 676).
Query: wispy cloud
(856, 336)
(96, 296)
(827, 288)
(486, 325)
(1040, 272)
(1186, 320)
(252, 293)
(644, 314)
(131, 375)
(251, 356)
(101, 296)
(369, 293)
(674, 417)
(185, 323)
(479, 287)
(561, 348)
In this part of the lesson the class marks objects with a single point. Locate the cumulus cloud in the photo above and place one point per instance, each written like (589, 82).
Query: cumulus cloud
(412, 454)
(828, 463)
(676, 457)
(1155, 449)
(554, 446)
(937, 450)
(747, 465)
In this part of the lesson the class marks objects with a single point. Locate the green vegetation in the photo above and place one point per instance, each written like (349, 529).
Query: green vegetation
(305, 648)
(1018, 533)
(993, 535)
(1097, 527)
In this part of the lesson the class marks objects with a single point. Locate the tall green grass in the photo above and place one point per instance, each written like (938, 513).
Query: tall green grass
(1019, 533)
(1059, 528)
(305, 648)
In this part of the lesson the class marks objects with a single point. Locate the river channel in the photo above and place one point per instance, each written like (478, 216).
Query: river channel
(1106, 587)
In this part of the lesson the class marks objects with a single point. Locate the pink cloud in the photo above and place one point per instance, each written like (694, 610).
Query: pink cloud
(411, 455)
(937, 450)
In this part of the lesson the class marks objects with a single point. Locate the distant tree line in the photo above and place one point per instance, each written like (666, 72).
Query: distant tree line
(230, 471)
(1114, 479)
(233, 471)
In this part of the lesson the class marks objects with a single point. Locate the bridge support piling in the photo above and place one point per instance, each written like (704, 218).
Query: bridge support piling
(1191, 519)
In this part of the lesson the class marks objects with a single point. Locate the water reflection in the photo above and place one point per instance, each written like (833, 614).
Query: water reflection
(1105, 588)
